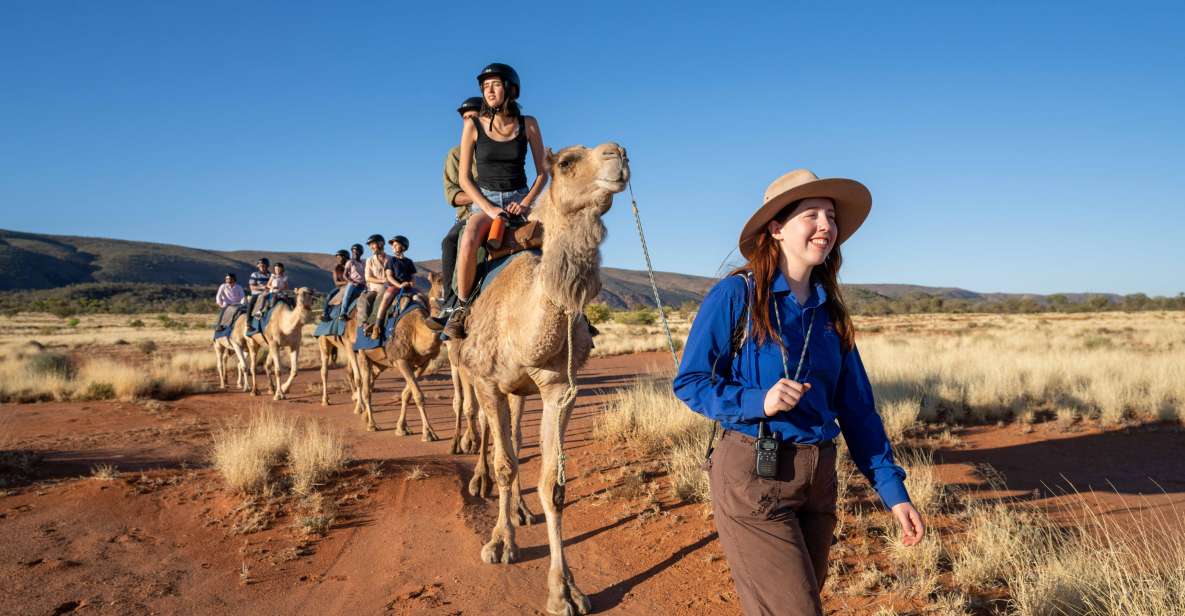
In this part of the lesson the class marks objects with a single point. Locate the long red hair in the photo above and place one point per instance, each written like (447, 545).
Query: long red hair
(764, 266)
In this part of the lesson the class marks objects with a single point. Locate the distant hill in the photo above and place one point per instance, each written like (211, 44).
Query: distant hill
(31, 261)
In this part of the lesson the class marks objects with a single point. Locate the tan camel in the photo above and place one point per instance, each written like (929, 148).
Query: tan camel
(233, 345)
(526, 333)
(410, 349)
(341, 346)
(283, 331)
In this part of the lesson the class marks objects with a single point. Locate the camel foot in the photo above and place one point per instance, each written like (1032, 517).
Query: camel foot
(499, 551)
(400, 430)
(522, 514)
(480, 486)
(429, 436)
(372, 427)
(468, 443)
(567, 600)
(455, 448)
(324, 401)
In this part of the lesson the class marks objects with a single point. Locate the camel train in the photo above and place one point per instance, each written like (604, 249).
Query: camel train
(527, 335)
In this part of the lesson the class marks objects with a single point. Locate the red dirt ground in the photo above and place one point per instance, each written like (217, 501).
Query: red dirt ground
(159, 538)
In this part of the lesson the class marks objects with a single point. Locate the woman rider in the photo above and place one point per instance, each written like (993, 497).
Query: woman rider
(497, 140)
(772, 357)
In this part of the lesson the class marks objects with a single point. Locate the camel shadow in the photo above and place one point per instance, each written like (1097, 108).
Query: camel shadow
(612, 596)
(543, 551)
(1147, 460)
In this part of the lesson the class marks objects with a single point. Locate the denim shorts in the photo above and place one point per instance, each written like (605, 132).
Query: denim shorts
(500, 198)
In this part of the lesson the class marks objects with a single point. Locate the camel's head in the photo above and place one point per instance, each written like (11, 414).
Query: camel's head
(304, 297)
(583, 178)
(435, 292)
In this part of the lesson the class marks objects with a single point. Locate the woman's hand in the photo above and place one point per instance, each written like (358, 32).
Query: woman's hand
(515, 208)
(489, 208)
(910, 521)
(784, 395)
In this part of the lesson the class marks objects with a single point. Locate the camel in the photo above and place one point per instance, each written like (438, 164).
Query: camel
(410, 349)
(341, 346)
(525, 336)
(233, 345)
(283, 331)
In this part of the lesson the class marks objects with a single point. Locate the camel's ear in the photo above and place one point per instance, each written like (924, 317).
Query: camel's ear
(549, 159)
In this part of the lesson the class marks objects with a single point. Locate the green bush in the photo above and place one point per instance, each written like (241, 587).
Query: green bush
(99, 391)
(52, 364)
(597, 313)
(644, 316)
(73, 322)
(137, 323)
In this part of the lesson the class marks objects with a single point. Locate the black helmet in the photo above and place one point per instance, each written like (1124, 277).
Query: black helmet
(357, 247)
(263, 260)
(473, 103)
(375, 238)
(401, 240)
(343, 254)
(503, 71)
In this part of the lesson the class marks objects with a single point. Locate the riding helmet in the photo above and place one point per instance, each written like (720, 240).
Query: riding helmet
(473, 103)
(503, 71)
(401, 240)
(375, 238)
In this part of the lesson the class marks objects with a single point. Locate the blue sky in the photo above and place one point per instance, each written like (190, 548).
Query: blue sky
(1024, 147)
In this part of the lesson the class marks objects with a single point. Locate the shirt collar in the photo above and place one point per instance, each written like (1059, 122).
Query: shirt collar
(782, 286)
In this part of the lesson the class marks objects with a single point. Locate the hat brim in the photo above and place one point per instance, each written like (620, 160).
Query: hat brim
(852, 204)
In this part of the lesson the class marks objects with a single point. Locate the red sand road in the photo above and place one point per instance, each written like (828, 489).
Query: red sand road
(161, 542)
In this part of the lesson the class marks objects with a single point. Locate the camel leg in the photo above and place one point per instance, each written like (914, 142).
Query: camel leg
(563, 595)
(523, 516)
(481, 483)
(273, 356)
(401, 423)
(219, 358)
(473, 416)
(458, 410)
(365, 389)
(418, 396)
(240, 357)
(501, 547)
(355, 376)
(252, 358)
(293, 366)
(322, 348)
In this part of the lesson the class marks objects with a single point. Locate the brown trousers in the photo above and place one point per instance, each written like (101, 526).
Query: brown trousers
(776, 533)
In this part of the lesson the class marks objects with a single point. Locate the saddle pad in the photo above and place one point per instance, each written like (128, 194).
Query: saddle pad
(226, 320)
(363, 342)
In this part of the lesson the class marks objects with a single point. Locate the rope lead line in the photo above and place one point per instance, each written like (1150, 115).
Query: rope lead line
(567, 401)
(650, 272)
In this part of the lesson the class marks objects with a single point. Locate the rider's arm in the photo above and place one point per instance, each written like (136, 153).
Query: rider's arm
(464, 176)
(535, 138)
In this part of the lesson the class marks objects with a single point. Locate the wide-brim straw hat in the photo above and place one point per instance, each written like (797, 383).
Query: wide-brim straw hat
(852, 204)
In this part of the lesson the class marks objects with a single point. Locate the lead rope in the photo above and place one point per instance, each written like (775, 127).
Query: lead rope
(567, 401)
(666, 328)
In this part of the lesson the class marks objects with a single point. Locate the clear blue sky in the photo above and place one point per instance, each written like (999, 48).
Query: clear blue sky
(1033, 147)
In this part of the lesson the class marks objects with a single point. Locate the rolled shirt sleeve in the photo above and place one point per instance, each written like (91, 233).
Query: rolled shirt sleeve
(723, 398)
(864, 431)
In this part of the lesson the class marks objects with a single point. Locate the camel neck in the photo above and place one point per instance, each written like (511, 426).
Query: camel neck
(292, 318)
(571, 263)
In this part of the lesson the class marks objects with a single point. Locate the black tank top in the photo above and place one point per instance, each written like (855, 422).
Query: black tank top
(501, 165)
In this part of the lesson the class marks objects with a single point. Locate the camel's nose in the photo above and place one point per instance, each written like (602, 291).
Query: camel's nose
(612, 150)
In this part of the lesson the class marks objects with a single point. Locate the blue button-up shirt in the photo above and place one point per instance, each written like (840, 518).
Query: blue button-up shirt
(840, 397)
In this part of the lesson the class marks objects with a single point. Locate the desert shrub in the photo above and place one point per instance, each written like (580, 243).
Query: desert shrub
(648, 416)
(137, 323)
(313, 455)
(51, 365)
(73, 322)
(246, 454)
(597, 313)
(147, 347)
(644, 316)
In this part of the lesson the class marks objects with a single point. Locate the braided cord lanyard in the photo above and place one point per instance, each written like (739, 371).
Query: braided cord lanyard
(567, 401)
(801, 358)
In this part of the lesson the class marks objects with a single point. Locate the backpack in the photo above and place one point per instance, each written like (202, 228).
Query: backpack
(740, 332)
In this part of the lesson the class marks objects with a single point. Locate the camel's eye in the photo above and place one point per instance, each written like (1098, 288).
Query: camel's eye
(567, 162)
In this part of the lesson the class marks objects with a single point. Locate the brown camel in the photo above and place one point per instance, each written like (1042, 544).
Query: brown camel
(234, 346)
(283, 331)
(410, 349)
(526, 335)
(341, 346)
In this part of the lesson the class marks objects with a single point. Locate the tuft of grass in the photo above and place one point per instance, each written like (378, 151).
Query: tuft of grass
(416, 473)
(649, 417)
(246, 454)
(104, 472)
(314, 453)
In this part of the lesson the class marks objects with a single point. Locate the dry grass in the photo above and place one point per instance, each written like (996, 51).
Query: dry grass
(29, 374)
(249, 454)
(416, 473)
(622, 339)
(647, 416)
